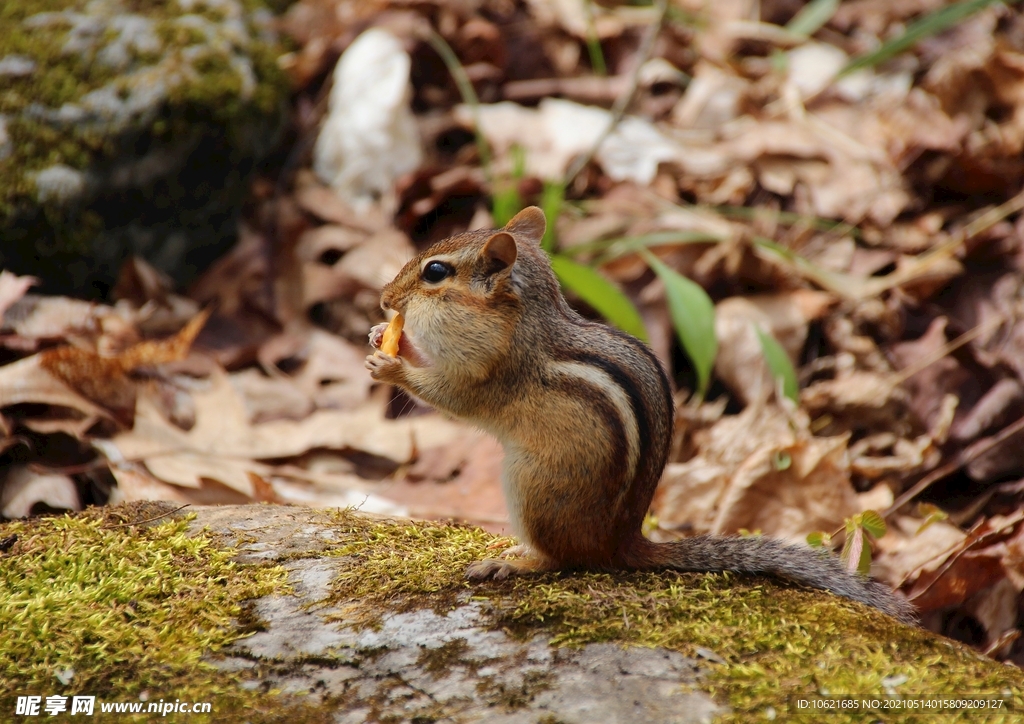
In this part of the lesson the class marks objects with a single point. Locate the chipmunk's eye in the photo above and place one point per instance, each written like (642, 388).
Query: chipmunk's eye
(437, 271)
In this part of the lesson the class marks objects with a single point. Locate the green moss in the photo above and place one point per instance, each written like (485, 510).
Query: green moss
(126, 608)
(780, 644)
(132, 604)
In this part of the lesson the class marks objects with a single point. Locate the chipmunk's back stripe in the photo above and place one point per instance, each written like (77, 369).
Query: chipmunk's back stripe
(666, 390)
(637, 413)
(607, 379)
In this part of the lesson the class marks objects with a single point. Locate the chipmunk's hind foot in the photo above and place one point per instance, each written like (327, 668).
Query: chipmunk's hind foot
(499, 570)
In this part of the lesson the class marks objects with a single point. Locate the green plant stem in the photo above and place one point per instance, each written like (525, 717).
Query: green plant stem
(468, 93)
(927, 26)
(594, 43)
(623, 101)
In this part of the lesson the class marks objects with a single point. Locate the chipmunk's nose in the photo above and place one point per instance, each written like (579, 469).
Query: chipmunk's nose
(385, 301)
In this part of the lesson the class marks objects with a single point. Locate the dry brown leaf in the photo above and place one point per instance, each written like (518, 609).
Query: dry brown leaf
(271, 398)
(379, 259)
(954, 573)
(1000, 461)
(22, 488)
(107, 381)
(580, 19)
(968, 574)
(875, 16)
(1003, 403)
(996, 609)
(323, 203)
(135, 483)
(460, 480)
(37, 317)
(139, 282)
(994, 304)
(688, 494)
(7, 439)
(12, 288)
(790, 490)
(331, 374)
(945, 375)
(878, 456)
(771, 475)
(330, 240)
(907, 549)
(740, 362)
(714, 97)
(857, 399)
(223, 445)
(558, 130)
(27, 381)
(158, 312)
(189, 470)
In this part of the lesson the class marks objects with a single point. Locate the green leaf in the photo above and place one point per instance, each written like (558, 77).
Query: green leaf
(778, 363)
(693, 316)
(931, 514)
(812, 17)
(601, 294)
(551, 200)
(856, 552)
(507, 204)
(927, 26)
(873, 523)
(819, 539)
(518, 154)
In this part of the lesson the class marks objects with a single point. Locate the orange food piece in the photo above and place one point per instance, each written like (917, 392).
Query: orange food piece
(392, 335)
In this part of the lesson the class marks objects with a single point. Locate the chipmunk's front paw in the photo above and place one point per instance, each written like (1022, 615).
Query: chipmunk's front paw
(519, 549)
(385, 368)
(377, 334)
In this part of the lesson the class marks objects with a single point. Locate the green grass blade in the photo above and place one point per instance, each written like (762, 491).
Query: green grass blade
(778, 363)
(468, 93)
(693, 316)
(552, 199)
(623, 245)
(601, 294)
(812, 17)
(594, 43)
(505, 204)
(787, 218)
(927, 26)
(842, 285)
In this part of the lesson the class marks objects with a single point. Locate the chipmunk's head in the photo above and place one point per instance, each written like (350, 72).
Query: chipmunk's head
(462, 297)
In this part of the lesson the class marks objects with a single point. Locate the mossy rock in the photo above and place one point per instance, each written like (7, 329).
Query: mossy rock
(287, 614)
(130, 127)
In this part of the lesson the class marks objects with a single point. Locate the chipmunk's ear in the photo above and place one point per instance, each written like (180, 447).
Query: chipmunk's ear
(500, 252)
(529, 223)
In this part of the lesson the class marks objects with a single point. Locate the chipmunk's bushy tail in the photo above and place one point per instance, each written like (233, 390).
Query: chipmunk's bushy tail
(760, 555)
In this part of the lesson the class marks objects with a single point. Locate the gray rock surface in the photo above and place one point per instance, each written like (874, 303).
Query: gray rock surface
(130, 128)
(422, 666)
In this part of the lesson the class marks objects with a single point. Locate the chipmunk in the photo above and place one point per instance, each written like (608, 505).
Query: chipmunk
(583, 411)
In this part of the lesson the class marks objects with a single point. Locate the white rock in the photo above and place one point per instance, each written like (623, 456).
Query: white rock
(59, 183)
(369, 138)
